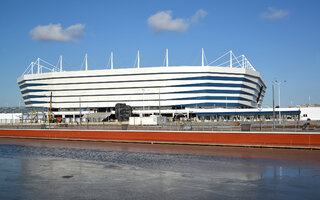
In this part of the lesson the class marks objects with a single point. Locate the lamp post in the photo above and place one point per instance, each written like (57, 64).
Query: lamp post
(80, 118)
(279, 83)
(226, 102)
(143, 100)
(260, 118)
(50, 118)
(273, 113)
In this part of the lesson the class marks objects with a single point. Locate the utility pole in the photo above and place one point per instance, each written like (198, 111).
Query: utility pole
(159, 104)
(310, 101)
(80, 109)
(143, 99)
(226, 102)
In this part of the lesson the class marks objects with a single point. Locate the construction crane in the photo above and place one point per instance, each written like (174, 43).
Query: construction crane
(50, 109)
(51, 118)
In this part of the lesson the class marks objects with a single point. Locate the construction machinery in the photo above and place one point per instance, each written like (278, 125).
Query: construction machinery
(51, 117)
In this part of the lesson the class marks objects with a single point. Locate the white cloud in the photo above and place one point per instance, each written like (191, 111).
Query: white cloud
(198, 15)
(273, 13)
(162, 21)
(54, 32)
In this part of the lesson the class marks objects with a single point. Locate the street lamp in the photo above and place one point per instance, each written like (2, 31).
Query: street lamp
(279, 83)
(226, 102)
(273, 113)
(143, 102)
(260, 118)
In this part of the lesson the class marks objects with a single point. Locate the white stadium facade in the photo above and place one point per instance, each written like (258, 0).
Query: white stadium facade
(233, 83)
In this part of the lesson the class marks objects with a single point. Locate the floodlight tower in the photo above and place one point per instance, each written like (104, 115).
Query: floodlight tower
(279, 83)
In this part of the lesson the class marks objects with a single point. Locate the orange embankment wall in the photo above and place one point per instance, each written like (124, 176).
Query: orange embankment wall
(246, 139)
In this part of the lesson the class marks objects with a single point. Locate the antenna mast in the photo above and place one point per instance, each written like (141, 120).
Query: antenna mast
(111, 59)
(32, 64)
(230, 59)
(38, 65)
(242, 61)
(167, 58)
(138, 61)
(60, 63)
(86, 62)
(202, 58)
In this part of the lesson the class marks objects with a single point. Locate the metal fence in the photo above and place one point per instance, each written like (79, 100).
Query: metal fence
(256, 126)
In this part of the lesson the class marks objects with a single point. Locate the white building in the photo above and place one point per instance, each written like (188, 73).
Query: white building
(233, 83)
(310, 113)
(7, 118)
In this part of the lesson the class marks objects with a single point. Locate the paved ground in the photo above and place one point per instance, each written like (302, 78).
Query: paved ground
(39, 169)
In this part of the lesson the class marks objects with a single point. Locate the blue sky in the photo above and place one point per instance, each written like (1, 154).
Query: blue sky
(280, 38)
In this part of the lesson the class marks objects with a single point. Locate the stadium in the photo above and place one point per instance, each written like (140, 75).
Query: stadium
(227, 82)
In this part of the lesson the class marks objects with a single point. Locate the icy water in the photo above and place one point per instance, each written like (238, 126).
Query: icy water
(35, 169)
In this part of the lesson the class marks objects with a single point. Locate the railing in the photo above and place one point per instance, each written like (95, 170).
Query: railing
(287, 126)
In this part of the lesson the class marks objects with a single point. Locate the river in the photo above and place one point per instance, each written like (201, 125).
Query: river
(44, 169)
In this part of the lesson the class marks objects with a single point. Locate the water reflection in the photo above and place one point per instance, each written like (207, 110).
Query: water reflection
(37, 172)
(277, 172)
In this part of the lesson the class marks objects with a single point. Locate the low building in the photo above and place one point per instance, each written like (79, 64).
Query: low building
(310, 113)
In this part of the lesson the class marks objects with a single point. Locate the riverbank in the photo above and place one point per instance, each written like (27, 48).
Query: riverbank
(298, 140)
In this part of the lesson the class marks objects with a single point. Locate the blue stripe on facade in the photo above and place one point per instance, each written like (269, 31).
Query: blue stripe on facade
(218, 78)
(207, 78)
(238, 105)
(180, 92)
(186, 85)
(215, 85)
(211, 98)
(248, 113)
(139, 100)
(31, 84)
(217, 92)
